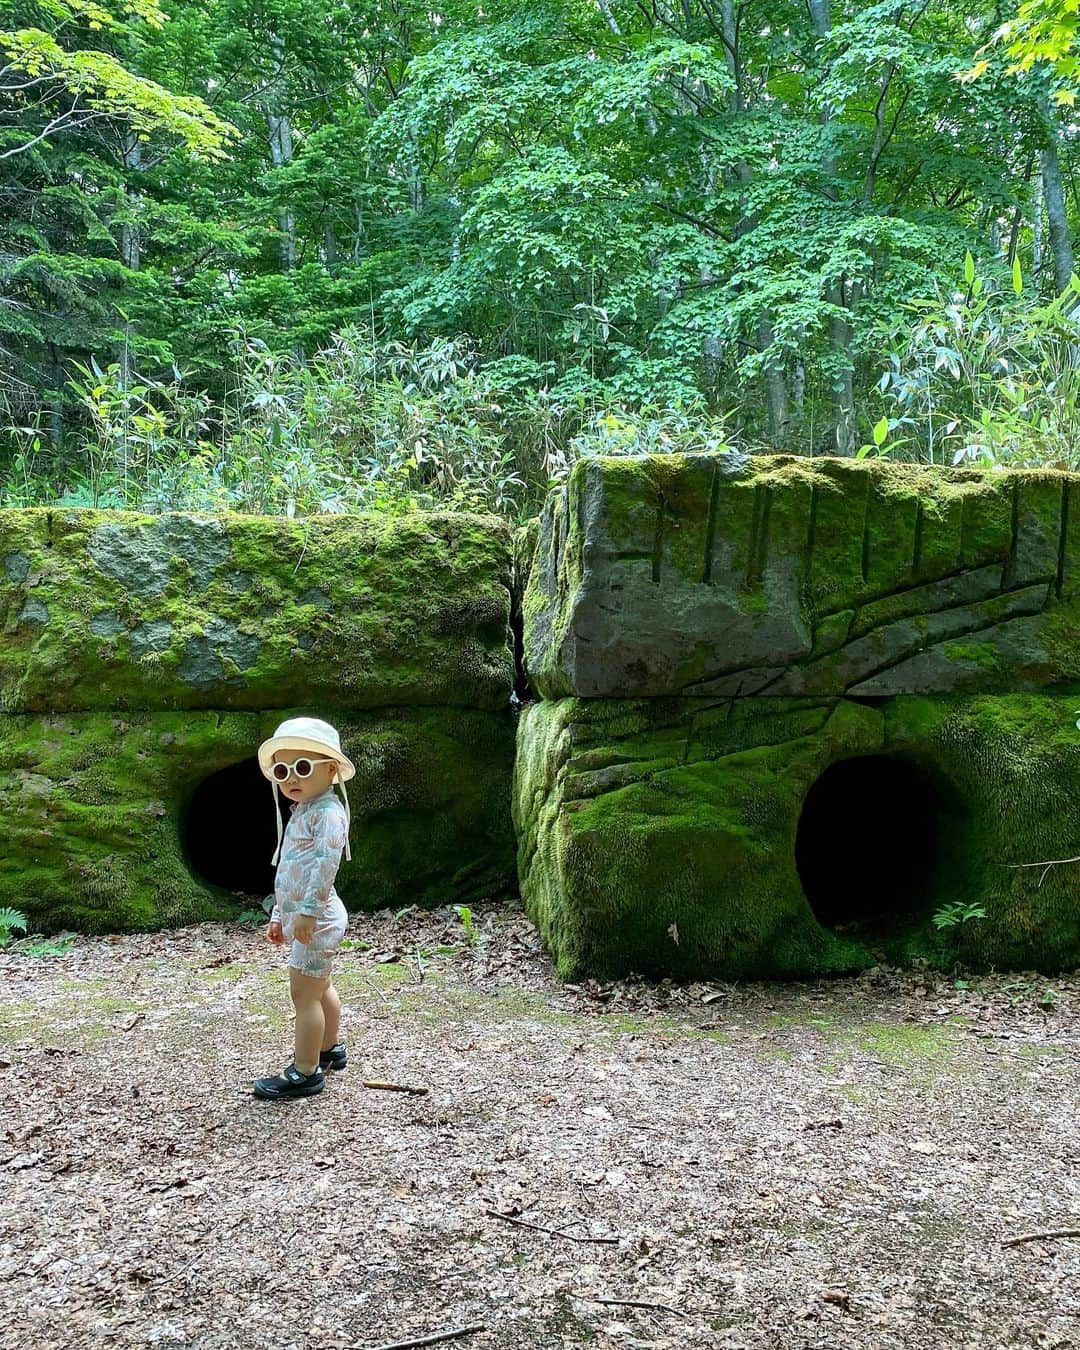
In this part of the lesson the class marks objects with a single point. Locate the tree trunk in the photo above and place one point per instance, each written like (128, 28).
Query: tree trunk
(281, 148)
(605, 10)
(843, 386)
(777, 416)
(730, 36)
(55, 402)
(839, 295)
(1056, 219)
(130, 242)
(1037, 230)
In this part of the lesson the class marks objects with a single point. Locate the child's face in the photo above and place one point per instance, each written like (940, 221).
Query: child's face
(303, 789)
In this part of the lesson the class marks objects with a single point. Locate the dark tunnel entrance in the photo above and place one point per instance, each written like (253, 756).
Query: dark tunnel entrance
(875, 841)
(229, 834)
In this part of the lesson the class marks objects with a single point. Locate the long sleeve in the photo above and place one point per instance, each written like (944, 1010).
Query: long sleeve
(324, 858)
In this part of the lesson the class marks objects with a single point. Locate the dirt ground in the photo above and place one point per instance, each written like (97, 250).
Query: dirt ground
(821, 1165)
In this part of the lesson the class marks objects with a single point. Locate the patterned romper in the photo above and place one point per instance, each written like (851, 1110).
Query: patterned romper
(304, 883)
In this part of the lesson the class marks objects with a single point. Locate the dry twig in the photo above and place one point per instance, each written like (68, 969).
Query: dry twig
(1046, 866)
(555, 1232)
(377, 990)
(634, 1303)
(395, 1087)
(1037, 1237)
(450, 1335)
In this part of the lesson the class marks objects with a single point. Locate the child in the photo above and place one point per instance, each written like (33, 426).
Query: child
(303, 759)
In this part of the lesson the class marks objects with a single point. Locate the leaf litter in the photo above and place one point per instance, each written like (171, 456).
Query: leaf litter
(816, 1166)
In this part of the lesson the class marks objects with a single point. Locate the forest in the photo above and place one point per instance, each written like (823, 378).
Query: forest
(295, 256)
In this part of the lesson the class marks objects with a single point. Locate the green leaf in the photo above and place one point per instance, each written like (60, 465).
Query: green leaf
(969, 268)
(881, 431)
(1017, 277)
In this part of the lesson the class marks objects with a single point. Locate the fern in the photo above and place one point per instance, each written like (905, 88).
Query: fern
(11, 920)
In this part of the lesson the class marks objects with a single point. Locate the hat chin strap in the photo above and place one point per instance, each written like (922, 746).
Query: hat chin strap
(348, 813)
(277, 822)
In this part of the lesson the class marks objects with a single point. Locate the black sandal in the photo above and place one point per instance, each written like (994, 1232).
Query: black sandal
(289, 1083)
(336, 1058)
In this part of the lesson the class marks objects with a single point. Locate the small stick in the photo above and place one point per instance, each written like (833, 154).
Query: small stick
(395, 1087)
(1046, 866)
(377, 990)
(634, 1303)
(451, 1335)
(555, 1232)
(1036, 1237)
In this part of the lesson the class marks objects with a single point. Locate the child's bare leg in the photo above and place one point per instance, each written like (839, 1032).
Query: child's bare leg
(307, 994)
(331, 1006)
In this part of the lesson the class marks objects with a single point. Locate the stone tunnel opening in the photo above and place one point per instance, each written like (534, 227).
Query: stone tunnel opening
(875, 843)
(229, 834)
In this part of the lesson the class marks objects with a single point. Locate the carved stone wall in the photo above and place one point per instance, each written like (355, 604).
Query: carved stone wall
(717, 575)
(711, 635)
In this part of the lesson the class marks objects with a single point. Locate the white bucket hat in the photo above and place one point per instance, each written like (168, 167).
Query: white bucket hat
(320, 740)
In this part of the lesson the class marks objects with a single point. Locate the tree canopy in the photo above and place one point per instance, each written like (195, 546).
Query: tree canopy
(730, 207)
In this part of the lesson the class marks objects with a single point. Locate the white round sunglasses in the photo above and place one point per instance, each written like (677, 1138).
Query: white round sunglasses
(301, 768)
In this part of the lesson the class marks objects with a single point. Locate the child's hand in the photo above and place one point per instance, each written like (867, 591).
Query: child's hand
(275, 935)
(304, 928)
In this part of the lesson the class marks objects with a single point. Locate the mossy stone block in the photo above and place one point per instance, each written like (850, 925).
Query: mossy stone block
(110, 610)
(651, 841)
(98, 812)
(660, 836)
(718, 574)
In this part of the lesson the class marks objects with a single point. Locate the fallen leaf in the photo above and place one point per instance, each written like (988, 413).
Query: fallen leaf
(21, 1161)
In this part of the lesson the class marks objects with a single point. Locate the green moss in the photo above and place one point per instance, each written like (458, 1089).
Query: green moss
(905, 1043)
(165, 612)
(77, 1020)
(227, 973)
(388, 974)
(977, 653)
